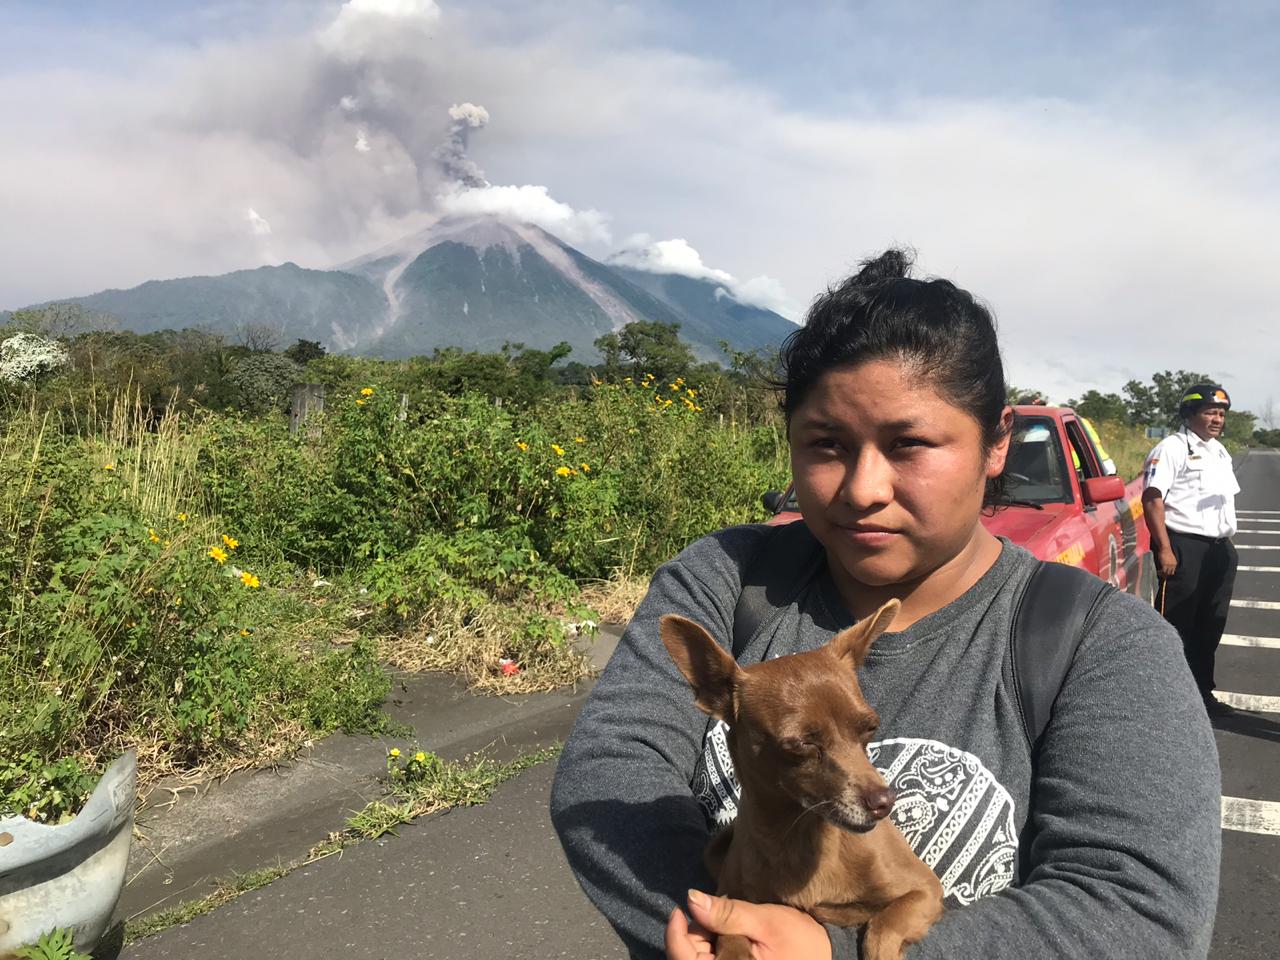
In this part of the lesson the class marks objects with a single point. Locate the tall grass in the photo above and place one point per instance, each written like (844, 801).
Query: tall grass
(162, 571)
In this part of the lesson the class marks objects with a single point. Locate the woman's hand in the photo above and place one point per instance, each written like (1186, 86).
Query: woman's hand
(775, 932)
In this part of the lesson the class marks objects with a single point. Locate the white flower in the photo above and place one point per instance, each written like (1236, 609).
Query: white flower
(24, 357)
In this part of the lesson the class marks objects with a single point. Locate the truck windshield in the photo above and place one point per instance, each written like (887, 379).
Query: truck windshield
(1035, 466)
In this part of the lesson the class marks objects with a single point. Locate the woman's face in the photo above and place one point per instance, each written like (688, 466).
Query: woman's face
(889, 475)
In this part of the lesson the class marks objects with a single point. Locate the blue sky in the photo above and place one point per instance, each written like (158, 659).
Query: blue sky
(1094, 171)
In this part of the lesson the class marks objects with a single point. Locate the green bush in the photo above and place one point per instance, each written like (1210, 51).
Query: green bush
(158, 565)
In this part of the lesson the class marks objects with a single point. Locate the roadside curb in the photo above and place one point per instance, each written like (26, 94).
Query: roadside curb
(189, 840)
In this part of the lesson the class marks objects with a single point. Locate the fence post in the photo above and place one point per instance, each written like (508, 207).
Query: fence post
(308, 401)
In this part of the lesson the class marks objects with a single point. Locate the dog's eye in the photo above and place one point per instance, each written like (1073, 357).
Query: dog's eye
(799, 749)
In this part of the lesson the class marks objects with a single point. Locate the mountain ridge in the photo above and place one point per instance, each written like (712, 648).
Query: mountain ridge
(473, 283)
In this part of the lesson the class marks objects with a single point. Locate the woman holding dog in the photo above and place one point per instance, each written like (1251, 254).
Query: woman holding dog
(1101, 838)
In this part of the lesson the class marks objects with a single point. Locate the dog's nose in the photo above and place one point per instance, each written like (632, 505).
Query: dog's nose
(879, 802)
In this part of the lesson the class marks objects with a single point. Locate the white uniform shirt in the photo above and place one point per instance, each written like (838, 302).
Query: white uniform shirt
(1197, 482)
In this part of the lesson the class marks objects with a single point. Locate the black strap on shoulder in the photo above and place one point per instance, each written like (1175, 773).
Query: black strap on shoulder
(1049, 622)
(787, 559)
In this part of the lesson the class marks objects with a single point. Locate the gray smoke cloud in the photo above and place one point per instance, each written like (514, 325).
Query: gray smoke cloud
(452, 154)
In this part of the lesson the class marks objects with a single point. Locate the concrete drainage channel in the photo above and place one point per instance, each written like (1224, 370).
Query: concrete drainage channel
(69, 875)
(187, 840)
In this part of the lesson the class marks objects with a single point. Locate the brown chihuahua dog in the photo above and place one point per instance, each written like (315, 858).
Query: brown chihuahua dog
(812, 829)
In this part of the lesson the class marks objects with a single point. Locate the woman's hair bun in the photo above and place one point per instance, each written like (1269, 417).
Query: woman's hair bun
(893, 264)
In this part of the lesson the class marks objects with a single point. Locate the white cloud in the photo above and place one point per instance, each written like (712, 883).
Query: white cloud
(677, 256)
(527, 204)
(1113, 237)
(362, 26)
(257, 223)
(642, 252)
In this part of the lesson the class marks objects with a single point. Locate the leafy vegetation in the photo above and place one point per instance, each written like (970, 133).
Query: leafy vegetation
(54, 945)
(198, 581)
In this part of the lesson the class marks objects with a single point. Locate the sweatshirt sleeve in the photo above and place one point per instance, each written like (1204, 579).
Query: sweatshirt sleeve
(1124, 831)
(632, 831)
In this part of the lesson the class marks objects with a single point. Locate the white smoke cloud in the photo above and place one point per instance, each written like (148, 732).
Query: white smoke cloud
(362, 142)
(677, 256)
(527, 204)
(258, 224)
(666, 256)
(363, 28)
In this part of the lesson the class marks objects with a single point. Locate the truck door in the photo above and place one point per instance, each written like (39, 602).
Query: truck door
(1103, 519)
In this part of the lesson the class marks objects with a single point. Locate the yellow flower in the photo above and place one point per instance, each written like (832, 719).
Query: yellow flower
(367, 392)
(563, 471)
(244, 632)
(522, 445)
(183, 518)
(108, 466)
(420, 757)
(626, 379)
(177, 601)
(249, 580)
(579, 439)
(585, 468)
(360, 402)
(151, 534)
(218, 554)
(674, 386)
(558, 449)
(691, 392)
(395, 751)
(231, 542)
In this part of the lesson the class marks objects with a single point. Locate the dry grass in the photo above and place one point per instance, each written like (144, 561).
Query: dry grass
(1127, 445)
(615, 599)
(441, 641)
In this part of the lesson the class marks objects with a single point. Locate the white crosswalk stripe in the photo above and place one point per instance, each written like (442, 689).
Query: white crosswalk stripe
(1250, 513)
(1256, 604)
(1251, 816)
(1237, 640)
(1256, 546)
(1260, 520)
(1259, 569)
(1258, 533)
(1253, 702)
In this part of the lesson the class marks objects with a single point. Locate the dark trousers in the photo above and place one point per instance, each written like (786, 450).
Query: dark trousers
(1198, 597)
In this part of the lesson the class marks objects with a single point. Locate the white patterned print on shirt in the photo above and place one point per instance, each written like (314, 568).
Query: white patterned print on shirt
(957, 817)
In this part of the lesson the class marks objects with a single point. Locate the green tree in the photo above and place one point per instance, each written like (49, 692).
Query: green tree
(1156, 403)
(1101, 407)
(646, 346)
(1014, 394)
(263, 381)
(304, 351)
(1239, 426)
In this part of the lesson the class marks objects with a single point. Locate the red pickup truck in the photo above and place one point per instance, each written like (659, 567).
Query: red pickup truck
(1065, 506)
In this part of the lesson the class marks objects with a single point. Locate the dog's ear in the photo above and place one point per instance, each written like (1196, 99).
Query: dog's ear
(856, 641)
(708, 667)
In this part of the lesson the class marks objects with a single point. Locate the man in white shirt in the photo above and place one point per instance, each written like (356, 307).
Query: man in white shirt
(1190, 510)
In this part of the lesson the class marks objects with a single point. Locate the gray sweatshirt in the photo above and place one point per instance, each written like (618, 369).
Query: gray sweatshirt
(1110, 848)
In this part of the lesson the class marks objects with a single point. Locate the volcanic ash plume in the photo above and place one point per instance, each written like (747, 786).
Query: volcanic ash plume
(452, 154)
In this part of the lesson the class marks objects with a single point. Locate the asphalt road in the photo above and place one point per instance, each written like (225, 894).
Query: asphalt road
(490, 882)
(1248, 675)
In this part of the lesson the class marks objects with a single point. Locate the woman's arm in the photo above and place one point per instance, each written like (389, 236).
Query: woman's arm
(631, 829)
(1125, 827)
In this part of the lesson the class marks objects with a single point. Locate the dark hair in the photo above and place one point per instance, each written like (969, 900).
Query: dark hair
(880, 312)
